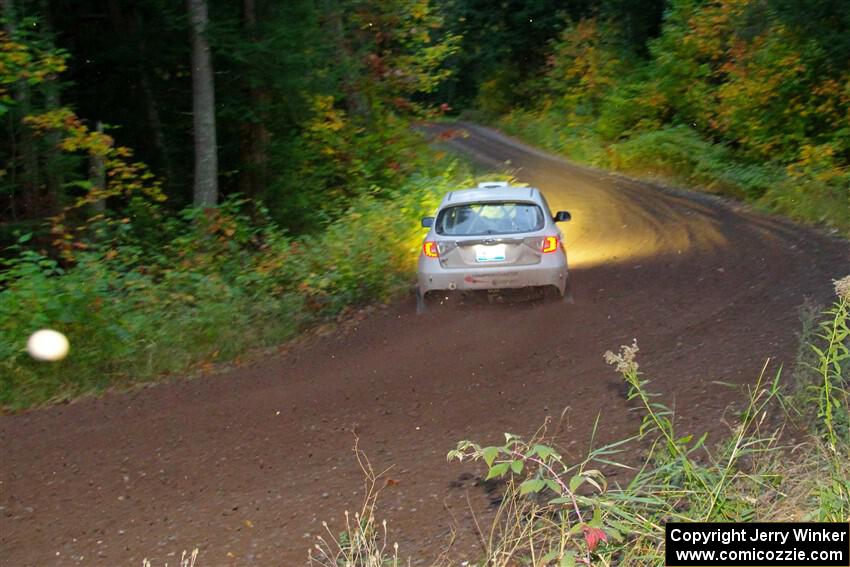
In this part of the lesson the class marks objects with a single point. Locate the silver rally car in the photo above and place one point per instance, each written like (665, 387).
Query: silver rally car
(495, 236)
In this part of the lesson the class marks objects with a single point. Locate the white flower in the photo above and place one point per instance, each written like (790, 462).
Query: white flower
(842, 288)
(625, 361)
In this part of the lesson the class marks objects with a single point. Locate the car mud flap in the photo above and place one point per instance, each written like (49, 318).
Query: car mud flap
(568, 291)
(420, 302)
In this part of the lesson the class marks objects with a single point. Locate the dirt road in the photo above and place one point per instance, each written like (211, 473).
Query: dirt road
(246, 464)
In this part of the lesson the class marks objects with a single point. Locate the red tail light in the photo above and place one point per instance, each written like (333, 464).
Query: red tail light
(543, 244)
(550, 244)
(429, 248)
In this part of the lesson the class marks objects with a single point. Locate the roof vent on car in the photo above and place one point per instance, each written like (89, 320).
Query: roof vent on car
(493, 184)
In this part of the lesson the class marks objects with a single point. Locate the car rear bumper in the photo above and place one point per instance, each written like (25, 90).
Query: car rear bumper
(550, 271)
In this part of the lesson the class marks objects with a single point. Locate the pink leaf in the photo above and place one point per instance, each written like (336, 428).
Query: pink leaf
(593, 536)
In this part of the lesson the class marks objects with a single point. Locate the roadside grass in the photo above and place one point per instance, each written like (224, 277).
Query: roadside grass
(364, 541)
(559, 513)
(216, 284)
(815, 191)
(186, 560)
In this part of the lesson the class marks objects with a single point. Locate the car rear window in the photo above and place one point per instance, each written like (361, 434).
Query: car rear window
(474, 219)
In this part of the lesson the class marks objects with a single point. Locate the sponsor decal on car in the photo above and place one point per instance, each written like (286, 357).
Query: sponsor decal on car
(500, 279)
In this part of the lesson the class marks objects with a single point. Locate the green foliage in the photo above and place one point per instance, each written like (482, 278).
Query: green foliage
(735, 96)
(221, 282)
(29, 65)
(403, 44)
(810, 191)
(342, 157)
(123, 176)
(498, 94)
(547, 511)
(584, 67)
(503, 46)
(321, 95)
(629, 108)
(680, 154)
(281, 70)
(548, 130)
(734, 70)
(676, 152)
(831, 391)
(815, 188)
(26, 60)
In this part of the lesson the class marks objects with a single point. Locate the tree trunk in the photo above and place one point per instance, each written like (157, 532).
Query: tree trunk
(203, 109)
(254, 136)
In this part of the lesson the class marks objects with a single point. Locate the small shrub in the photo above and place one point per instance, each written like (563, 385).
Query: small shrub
(363, 542)
(548, 130)
(816, 188)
